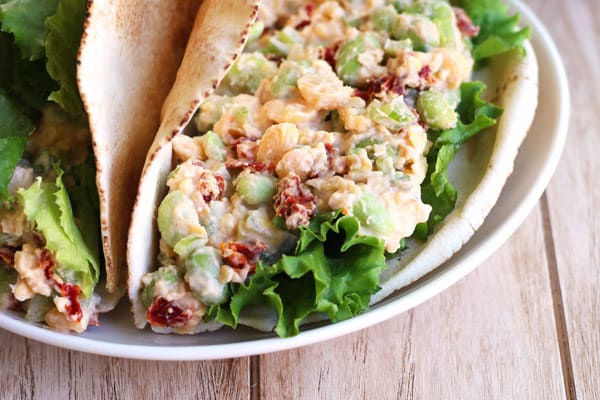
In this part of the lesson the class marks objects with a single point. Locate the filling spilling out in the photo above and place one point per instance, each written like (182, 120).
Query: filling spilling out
(47, 269)
(306, 170)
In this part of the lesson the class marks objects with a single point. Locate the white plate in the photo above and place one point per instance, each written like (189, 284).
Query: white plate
(537, 160)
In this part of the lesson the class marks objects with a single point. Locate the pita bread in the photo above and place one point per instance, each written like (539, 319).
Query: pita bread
(128, 59)
(479, 172)
(211, 50)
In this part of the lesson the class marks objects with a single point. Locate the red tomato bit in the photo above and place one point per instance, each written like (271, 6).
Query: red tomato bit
(242, 255)
(465, 24)
(294, 202)
(167, 313)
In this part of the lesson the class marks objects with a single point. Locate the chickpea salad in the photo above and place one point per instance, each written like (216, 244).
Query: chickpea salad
(324, 148)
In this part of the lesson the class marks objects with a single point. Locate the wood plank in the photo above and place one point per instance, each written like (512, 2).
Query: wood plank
(492, 335)
(573, 195)
(32, 370)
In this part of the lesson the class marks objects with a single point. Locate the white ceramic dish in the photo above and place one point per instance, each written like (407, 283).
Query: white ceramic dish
(537, 160)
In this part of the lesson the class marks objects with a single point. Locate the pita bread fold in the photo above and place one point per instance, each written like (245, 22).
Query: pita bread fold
(217, 38)
(129, 56)
(479, 171)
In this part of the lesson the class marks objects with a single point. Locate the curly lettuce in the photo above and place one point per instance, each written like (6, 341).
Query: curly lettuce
(498, 32)
(61, 52)
(475, 115)
(333, 272)
(48, 207)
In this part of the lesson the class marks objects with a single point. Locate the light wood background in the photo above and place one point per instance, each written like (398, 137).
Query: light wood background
(524, 325)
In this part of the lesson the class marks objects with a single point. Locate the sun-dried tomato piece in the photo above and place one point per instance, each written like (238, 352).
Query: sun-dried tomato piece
(302, 24)
(385, 84)
(465, 24)
(245, 149)
(328, 53)
(211, 186)
(254, 166)
(294, 202)
(47, 263)
(72, 293)
(7, 256)
(331, 152)
(167, 313)
(242, 255)
(309, 8)
(68, 290)
(425, 72)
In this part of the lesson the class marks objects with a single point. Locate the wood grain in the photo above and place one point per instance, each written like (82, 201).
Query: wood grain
(31, 370)
(492, 335)
(573, 195)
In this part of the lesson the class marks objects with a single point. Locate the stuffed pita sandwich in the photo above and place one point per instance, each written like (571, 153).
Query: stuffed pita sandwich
(347, 152)
(54, 147)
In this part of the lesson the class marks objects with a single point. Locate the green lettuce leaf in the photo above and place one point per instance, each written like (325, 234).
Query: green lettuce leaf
(84, 197)
(15, 127)
(62, 44)
(333, 271)
(47, 205)
(27, 82)
(25, 20)
(498, 32)
(475, 115)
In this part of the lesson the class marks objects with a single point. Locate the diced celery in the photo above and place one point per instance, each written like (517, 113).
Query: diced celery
(393, 115)
(248, 72)
(367, 142)
(175, 214)
(285, 82)
(395, 47)
(442, 15)
(256, 31)
(280, 43)
(202, 275)
(372, 214)
(347, 64)
(213, 146)
(189, 243)
(383, 18)
(434, 109)
(255, 189)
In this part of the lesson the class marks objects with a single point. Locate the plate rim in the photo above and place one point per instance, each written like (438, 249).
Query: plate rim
(441, 280)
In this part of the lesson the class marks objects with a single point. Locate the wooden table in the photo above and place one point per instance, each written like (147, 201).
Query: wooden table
(524, 325)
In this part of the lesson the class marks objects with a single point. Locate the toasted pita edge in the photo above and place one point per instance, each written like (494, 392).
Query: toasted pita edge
(514, 79)
(219, 34)
(127, 61)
